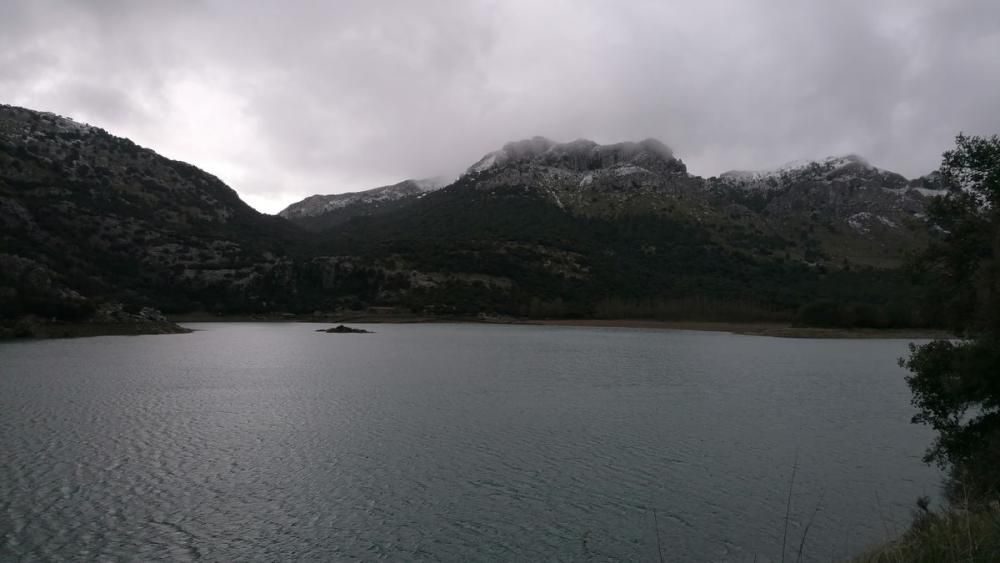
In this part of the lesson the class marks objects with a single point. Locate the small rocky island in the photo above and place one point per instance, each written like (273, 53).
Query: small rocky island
(341, 329)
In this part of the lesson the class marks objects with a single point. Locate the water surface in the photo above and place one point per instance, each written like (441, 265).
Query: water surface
(453, 443)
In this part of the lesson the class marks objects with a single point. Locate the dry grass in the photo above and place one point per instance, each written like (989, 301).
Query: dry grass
(950, 537)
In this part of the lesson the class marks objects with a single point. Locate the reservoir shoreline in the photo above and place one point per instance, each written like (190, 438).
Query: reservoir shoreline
(772, 329)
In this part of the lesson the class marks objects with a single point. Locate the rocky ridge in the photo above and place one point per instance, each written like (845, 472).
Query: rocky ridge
(319, 204)
(839, 207)
(88, 219)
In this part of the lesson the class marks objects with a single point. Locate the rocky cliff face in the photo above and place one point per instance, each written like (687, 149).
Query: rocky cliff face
(855, 210)
(587, 178)
(836, 209)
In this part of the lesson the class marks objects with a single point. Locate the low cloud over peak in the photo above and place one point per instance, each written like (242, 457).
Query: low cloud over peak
(283, 101)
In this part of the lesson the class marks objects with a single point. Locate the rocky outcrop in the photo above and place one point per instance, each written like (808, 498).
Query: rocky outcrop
(341, 329)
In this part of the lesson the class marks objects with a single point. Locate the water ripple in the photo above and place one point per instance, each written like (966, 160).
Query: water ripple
(450, 443)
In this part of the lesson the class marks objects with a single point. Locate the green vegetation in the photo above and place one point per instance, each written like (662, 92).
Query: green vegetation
(89, 218)
(641, 266)
(956, 383)
(955, 536)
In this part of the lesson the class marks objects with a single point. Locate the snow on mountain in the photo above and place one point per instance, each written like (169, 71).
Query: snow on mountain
(798, 168)
(581, 155)
(838, 172)
(587, 178)
(517, 150)
(431, 184)
(65, 123)
(486, 162)
(319, 204)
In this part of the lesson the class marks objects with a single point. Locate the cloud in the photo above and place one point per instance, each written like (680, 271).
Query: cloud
(282, 100)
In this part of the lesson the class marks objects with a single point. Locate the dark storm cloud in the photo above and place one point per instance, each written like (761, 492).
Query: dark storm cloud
(286, 99)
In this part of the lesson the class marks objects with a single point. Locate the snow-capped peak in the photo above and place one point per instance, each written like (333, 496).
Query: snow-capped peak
(320, 204)
(526, 148)
(827, 164)
(431, 184)
(574, 153)
(487, 162)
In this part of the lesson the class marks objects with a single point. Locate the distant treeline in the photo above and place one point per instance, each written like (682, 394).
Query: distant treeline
(865, 315)
(825, 313)
(691, 309)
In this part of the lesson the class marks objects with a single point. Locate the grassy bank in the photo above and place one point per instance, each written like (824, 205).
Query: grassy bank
(950, 537)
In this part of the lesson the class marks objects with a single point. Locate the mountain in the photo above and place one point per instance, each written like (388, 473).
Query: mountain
(537, 228)
(87, 217)
(321, 211)
(843, 167)
(836, 209)
(853, 210)
(580, 228)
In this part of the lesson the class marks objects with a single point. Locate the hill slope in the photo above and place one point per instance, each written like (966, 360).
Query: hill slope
(536, 228)
(323, 211)
(584, 229)
(838, 209)
(98, 216)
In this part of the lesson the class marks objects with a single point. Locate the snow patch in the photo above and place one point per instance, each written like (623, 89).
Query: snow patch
(927, 192)
(863, 221)
(859, 221)
(794, 167)
(489, 161)
(629, 169)
(432, 184)
(887, 222)
(558, 201)
(66, 123)
(320, 204)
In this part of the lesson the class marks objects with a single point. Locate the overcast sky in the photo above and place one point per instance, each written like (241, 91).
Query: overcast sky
(285, 99)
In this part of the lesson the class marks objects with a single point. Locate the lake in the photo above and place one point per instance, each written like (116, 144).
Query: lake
(454, 442)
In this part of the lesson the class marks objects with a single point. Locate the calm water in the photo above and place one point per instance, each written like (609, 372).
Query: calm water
(454, 443)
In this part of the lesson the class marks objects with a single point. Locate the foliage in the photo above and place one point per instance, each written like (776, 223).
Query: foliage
(830, 313)
(113, 221)
(956, 384)
(634, 266)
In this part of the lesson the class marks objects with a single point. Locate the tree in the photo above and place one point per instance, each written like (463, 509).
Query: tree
(956, 383)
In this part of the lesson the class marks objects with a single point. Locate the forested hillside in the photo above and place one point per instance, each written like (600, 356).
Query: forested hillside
(536, 229)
